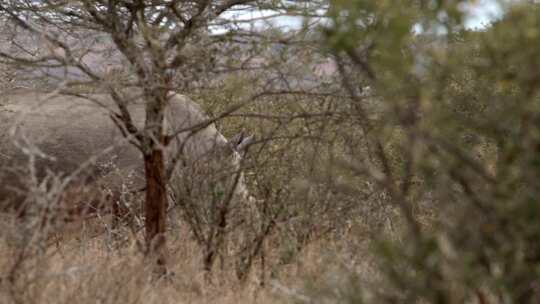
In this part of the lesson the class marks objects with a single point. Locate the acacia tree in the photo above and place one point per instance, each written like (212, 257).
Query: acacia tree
(165, 44)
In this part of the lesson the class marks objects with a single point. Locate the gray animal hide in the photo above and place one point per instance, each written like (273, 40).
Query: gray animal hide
(48, 137)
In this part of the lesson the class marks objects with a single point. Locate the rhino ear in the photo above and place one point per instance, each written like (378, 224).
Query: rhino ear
(237, 139)
(240, 142)
(245, 143)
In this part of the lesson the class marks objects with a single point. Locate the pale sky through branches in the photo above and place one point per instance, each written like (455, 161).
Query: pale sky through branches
(479, 14)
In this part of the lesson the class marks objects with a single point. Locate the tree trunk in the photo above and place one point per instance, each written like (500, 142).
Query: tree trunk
(155, 209)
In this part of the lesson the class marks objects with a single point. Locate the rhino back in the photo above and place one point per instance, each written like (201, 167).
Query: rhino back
(70, 132)
(74, 130)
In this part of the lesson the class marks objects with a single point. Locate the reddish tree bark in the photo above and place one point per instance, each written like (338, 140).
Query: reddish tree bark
(155, 209)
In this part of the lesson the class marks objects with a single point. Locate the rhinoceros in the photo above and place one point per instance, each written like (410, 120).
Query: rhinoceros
(50, 140)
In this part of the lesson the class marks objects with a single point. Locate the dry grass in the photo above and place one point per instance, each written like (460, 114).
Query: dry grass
(84, 268)
(89, 272)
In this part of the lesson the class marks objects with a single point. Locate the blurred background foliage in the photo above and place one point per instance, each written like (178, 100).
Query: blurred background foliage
(457, 146)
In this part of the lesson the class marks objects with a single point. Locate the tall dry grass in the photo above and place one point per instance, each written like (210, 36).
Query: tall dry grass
(82, 264)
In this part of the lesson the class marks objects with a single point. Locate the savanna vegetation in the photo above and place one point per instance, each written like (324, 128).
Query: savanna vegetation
(396, 152)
